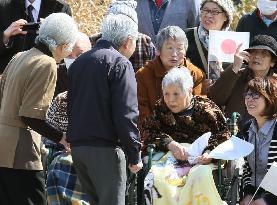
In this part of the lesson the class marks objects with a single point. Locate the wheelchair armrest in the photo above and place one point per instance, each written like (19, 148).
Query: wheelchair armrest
(150, 150)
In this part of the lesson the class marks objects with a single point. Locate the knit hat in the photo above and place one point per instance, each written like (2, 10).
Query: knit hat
(264, 42)
(227, 6)
(124, 7)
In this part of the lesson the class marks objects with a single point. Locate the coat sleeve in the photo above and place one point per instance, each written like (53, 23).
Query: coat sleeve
(227, 80)
(125, 109)
(152, 134)
(198, 78)
(143, 100)
(247, 188)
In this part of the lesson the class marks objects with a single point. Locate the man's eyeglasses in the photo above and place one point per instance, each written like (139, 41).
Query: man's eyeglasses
(252, 95)
(213, 12)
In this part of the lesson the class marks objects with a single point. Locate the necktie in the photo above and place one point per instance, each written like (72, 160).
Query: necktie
(159, 3)
(30, 15)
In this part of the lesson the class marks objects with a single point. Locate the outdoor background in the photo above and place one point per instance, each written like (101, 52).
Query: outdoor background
(89, 13)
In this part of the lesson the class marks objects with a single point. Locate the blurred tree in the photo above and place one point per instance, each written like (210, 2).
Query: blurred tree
(242, 8)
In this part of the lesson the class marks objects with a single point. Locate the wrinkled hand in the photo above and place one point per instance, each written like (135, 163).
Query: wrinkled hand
(146, 39)
(246, 200)
(204, 159)
(136, 167)
(14, 29)
(239, 57)
(178, 151)
(65, 144)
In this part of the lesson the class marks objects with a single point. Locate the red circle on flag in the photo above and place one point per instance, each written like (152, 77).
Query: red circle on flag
(228, 46)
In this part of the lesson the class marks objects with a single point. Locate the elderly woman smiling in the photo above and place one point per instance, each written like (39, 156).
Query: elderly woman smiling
(172, 45)
(181, 117)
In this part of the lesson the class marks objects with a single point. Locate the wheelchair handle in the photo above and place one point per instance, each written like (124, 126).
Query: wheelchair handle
(150, 150)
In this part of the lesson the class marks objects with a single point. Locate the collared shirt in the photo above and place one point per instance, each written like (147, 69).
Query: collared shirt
(157, 14)
(262, 139)
(267, 21)
(36, 4)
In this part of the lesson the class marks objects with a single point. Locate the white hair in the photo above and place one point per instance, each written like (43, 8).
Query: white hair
(178, 76)
(117, 28)
(173, 32)
(58, 29)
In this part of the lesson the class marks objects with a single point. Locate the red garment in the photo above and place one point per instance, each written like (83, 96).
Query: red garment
(159, 3)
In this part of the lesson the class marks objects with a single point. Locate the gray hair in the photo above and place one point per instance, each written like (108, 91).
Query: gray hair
(173, 32)
(58, 29)
(180, 77)
(117, 28)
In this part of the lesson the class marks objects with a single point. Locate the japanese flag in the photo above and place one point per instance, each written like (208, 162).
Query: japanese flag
(269, 181)
(223, 44)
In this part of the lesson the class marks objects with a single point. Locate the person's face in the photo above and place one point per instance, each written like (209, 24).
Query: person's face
(212, 17)
(260, 60)
(175, 99)
(172, 53)
(61, 52)
(259, 202)
(255, 103)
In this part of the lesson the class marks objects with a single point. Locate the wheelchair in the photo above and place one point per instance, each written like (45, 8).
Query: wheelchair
(227, 176)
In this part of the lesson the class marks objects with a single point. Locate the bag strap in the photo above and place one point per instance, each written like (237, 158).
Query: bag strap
(200, 50)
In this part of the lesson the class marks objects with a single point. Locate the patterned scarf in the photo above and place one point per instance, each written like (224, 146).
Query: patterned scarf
(203, 36)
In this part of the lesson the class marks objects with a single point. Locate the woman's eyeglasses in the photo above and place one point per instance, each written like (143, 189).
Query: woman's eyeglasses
(213, 12)
(252, 95)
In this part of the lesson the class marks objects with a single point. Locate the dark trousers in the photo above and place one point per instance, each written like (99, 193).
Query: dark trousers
(24, 187)
(102, 173)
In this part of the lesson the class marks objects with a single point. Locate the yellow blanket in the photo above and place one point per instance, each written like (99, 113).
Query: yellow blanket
(180, 185)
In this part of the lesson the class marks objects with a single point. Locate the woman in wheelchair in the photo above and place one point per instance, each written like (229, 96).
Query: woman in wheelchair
(261, 131)
(179, 118)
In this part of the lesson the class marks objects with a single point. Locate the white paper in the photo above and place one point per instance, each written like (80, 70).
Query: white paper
(197, 147)
(223, 44)
(232, 149)
(269, 181)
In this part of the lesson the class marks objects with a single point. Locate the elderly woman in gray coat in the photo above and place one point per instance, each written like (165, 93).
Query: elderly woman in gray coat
(26, 90)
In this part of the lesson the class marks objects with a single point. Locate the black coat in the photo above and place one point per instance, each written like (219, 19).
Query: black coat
(13, 10)
(254, 24)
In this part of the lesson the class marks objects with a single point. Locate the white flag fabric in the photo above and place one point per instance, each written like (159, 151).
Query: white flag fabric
(223, 44)
(232, 149)
(269, 180)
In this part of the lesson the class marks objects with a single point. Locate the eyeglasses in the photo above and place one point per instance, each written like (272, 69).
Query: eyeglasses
(213, 12)
(252, 95)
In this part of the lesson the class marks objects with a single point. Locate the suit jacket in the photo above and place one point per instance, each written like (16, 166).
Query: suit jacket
(182, 13)
(14, 10)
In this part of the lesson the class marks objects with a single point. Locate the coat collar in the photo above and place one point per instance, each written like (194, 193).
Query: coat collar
(160, 70)
(43, 48)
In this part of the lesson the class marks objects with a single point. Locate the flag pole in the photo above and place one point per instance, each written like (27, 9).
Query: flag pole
(254, 195)
(208, 68)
